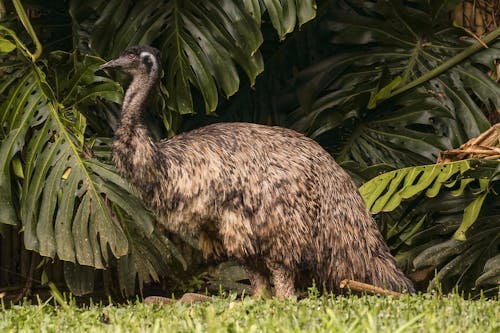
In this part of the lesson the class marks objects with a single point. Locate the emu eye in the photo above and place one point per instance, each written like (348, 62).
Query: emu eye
(131, 56)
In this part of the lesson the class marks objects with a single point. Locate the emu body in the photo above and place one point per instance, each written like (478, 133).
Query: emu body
(268, 197)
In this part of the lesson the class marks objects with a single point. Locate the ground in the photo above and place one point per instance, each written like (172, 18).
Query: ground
(418, 313)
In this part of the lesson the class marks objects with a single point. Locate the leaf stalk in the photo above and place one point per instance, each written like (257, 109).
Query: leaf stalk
(21, 13)
(477, 46)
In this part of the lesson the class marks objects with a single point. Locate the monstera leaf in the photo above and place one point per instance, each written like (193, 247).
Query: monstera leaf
(350, 101)
(201, 41)
(456, 232)
(56, 182)
(70, 204)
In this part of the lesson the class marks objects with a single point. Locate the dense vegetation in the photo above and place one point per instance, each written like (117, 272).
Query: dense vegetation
(382, 85)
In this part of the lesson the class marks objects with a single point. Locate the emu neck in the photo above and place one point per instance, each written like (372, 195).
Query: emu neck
(133, 149)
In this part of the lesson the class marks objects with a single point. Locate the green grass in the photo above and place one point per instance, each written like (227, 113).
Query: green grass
(420, 313)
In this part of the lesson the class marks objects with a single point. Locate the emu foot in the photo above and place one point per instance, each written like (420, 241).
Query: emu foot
(194, 297)
(186, 298)
(158, 300)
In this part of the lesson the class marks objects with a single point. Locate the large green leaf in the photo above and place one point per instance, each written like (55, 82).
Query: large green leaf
(69, 204)
(56, 176)
(56, 183)
(6, 46)
(201, 42)
(444, 217)
(384, 193)
(284, 14)
(461, 262)
(491, 275)
(378, 47)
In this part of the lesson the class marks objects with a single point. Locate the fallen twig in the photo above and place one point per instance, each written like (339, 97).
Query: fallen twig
(486, 146)
(368, 288)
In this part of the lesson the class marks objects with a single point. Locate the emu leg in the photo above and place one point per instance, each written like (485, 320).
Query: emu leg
(284, 280)
(259, 281)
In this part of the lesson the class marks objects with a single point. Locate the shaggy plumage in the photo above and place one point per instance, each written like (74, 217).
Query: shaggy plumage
(268, 197)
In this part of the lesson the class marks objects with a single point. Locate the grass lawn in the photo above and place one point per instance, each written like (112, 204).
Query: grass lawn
(418, 313)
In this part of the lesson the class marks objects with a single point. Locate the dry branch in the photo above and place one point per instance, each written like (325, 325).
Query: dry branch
(486, 145)
(368, 288)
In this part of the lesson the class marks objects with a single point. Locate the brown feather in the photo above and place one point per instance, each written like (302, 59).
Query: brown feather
(268, 197)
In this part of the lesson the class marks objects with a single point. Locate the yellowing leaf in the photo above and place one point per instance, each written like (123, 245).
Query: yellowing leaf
(471, 212)
(6, 46)
(18, 168)
(385, 192)
(66, 173)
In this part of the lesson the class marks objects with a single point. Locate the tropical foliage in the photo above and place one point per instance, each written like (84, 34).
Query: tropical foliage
(382, 85)
(456, 233)
(391, 98)
(57, 184)
(68, 201)
(202, 42)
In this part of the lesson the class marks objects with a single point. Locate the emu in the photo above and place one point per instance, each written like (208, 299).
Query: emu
(268, 197)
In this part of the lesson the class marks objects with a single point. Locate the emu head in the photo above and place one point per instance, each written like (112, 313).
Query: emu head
(137, 61)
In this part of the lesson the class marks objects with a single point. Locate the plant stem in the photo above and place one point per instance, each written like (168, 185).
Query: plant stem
(448, 63)
(3, 11)
(21, 13)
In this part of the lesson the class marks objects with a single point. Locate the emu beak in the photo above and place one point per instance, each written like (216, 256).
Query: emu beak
(108, 64)
(115, 63)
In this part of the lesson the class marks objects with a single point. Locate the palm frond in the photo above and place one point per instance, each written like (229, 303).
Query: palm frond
(456, 232)
(69, 204)
(346, 100)
(202, 42)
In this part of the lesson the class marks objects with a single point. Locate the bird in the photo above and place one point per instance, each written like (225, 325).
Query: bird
(268, 197)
